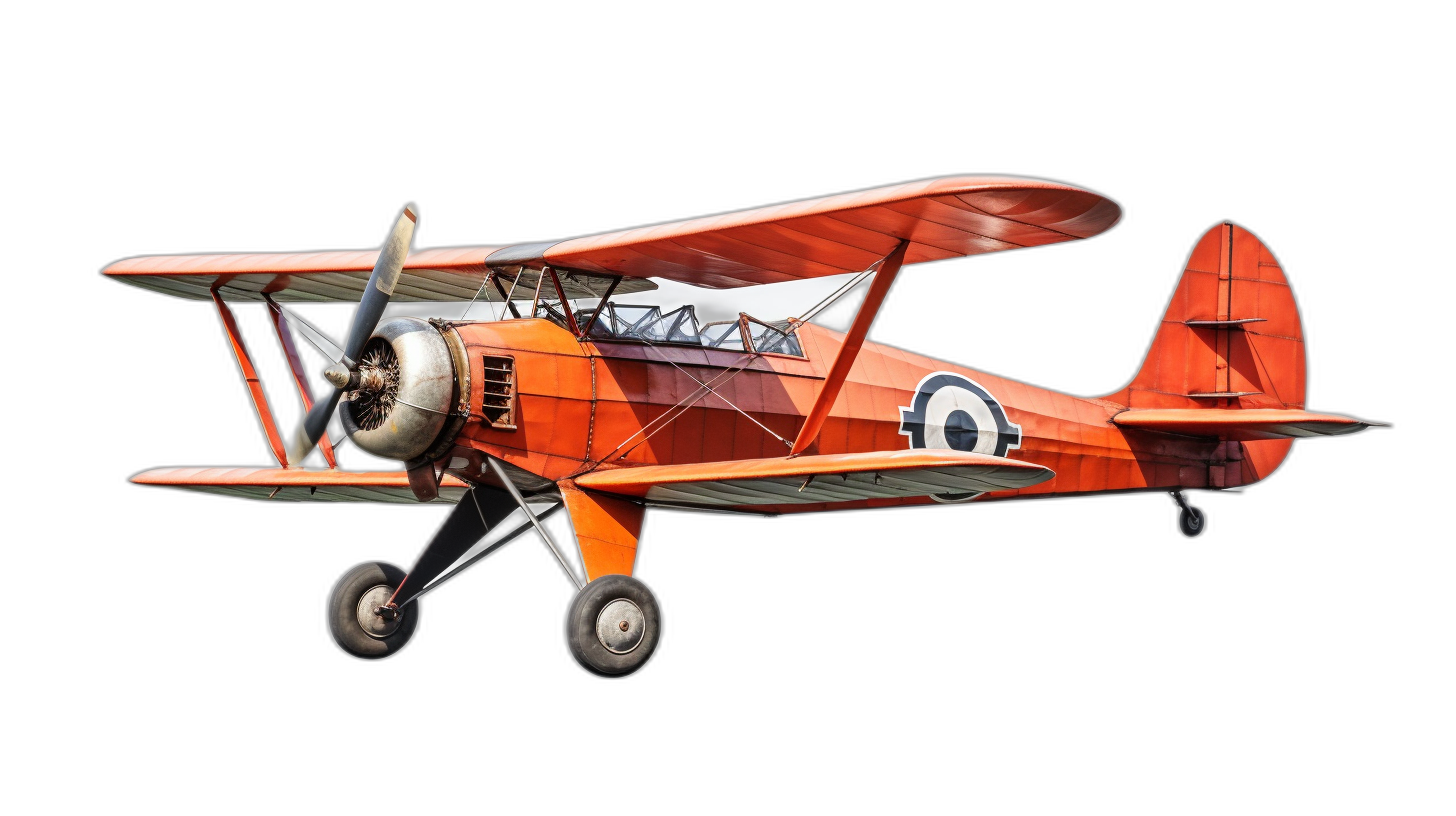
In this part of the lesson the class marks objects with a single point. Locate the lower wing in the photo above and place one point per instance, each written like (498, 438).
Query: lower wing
(297, 484)
(841, 477)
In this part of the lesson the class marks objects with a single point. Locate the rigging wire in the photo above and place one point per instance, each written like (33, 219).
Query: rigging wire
(690, 376)
(483, 282)
(684, 404)
(707, 387)
(308, 330)
(680, 411)
(837, 294)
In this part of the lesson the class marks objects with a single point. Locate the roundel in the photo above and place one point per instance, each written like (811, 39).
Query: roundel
(951, 411)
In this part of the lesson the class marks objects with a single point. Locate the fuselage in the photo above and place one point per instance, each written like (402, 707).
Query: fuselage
(580, 406)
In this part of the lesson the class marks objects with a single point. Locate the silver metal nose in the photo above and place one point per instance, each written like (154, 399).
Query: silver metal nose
(337, 375)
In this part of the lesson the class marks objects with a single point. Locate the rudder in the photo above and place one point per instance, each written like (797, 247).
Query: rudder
(1231, 338)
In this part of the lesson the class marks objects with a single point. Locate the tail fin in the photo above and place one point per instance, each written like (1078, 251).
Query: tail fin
(1231, 339)
(1231, 336)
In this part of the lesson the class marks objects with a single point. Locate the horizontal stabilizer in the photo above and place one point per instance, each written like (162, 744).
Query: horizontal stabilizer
(841, 477)
(297, 484)
(1246, 424)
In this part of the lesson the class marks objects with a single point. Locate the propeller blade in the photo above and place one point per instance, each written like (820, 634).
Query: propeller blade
(381, 285)
(366, 318)
(313, 427)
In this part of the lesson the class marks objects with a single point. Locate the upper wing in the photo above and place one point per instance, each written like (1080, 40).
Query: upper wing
(942, 218)
(297, 484)
(429, 275)
(838, 477)
(1241, 424)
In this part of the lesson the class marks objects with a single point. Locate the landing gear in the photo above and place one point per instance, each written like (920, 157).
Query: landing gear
(360, 619)
(1190, 521)
(1190, 518)
(613, 625)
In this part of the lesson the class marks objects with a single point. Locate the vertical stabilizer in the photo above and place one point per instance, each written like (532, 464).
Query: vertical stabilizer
(1230, 339)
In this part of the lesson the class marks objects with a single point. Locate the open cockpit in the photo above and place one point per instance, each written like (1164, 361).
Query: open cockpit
(558, 296)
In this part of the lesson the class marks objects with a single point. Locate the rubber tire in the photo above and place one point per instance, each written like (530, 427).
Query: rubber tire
(343, 611)
(1192, 522)
(581, 625)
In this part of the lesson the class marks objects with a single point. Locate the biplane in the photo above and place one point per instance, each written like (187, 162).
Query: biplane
(575, 398)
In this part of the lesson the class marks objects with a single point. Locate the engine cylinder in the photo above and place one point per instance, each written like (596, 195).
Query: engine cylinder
(407, 384)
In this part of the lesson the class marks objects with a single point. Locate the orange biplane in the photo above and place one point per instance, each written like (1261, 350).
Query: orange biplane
(576, 400)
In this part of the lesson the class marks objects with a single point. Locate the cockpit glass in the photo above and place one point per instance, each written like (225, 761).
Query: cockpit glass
(621, 321)
(774, 338)
(724, 335)
(650, 324)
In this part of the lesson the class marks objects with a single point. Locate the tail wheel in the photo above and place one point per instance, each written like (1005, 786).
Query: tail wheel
(1191, 521)
(356, 619)
(613, 625)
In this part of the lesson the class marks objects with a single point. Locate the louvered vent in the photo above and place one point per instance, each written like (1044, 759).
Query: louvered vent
(498, 399)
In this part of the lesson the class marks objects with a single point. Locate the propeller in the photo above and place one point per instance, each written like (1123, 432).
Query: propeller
(344, 375)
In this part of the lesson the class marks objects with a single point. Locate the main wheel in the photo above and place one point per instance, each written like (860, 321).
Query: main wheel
(1190, 521)
(613, 625)
(353, 622)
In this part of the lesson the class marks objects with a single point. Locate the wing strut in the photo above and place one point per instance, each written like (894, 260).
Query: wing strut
(295, 365)
(566, 310)
(250, 376)
(853, 341)
(602, 304)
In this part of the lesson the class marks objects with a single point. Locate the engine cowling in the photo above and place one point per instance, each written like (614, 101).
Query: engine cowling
(407, 387)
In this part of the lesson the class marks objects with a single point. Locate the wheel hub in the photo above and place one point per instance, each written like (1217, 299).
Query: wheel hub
(374, 624)
(620, 626)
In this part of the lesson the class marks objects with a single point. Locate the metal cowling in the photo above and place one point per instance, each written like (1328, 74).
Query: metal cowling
(409, 381)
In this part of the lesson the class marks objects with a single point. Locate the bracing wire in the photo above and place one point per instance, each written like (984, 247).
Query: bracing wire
(309, 331)
(730, 403)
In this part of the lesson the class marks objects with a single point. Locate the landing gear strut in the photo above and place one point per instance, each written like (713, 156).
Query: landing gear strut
(1190, 518)
(375, 606)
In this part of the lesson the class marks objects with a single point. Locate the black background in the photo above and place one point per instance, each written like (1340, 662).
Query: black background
(999, 606)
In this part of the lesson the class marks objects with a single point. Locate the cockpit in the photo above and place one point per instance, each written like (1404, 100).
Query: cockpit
(648, 324)
(558, 297)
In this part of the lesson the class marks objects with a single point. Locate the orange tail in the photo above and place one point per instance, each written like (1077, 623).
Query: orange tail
(1230, 339)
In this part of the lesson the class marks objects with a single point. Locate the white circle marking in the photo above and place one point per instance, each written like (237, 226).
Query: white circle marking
(946, 401)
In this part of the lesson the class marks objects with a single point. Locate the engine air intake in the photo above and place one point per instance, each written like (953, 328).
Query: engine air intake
(498, 392)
